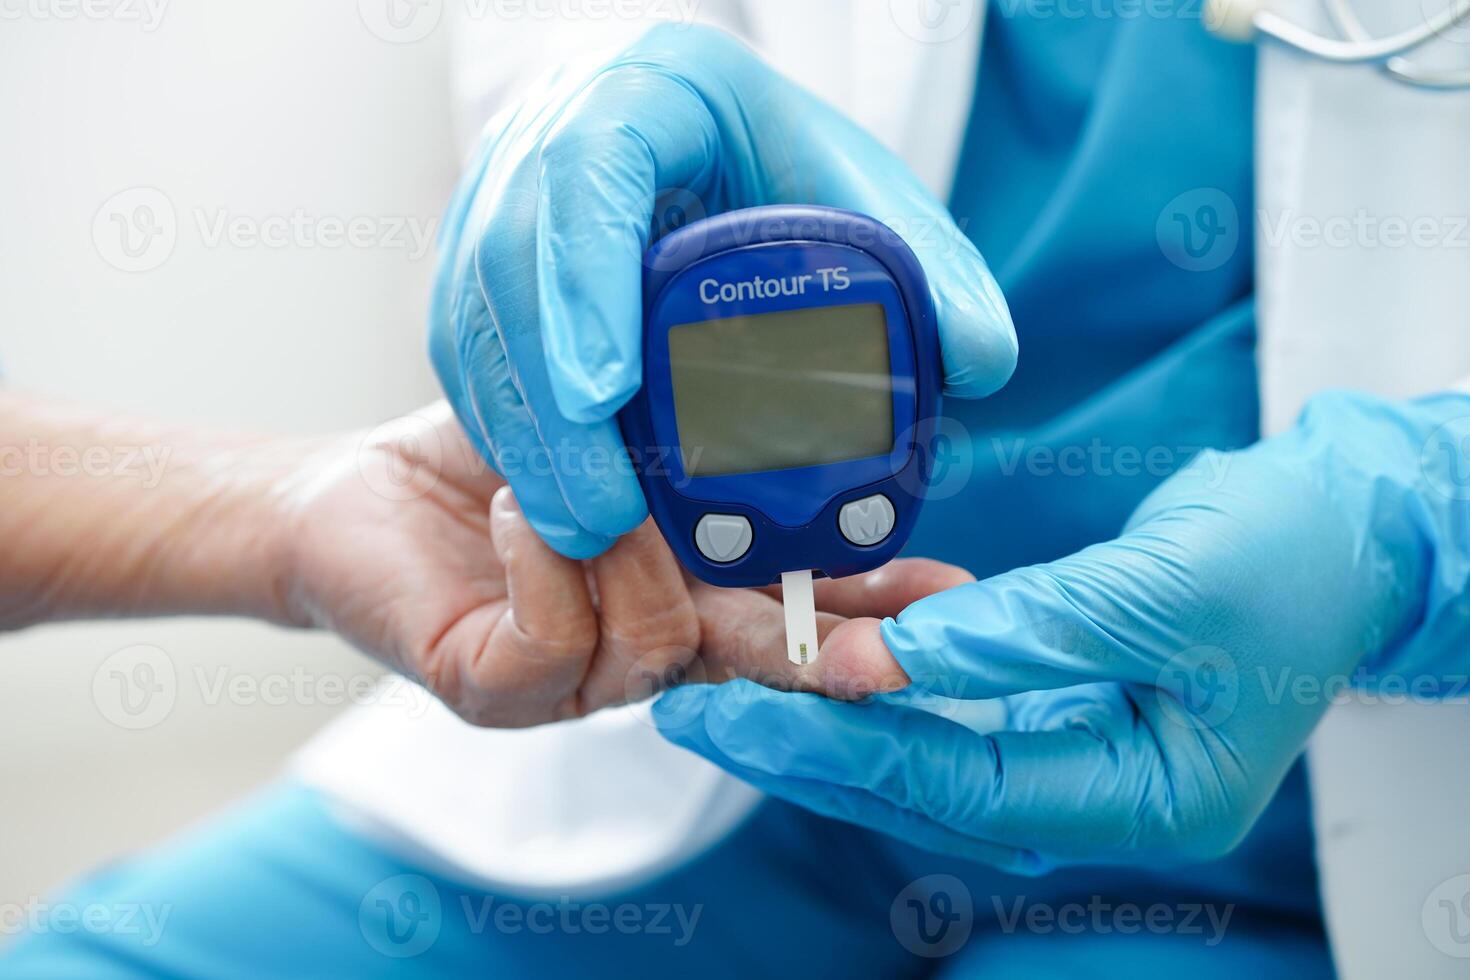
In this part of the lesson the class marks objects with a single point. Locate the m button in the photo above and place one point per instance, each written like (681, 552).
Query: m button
(868, 521)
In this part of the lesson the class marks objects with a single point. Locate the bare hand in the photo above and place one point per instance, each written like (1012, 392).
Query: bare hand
(452, 587)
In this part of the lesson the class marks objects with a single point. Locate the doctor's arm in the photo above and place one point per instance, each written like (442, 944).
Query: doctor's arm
(402, 542)
(1156, 688)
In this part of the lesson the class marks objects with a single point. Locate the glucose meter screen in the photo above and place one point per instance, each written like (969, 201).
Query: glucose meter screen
(778, 391)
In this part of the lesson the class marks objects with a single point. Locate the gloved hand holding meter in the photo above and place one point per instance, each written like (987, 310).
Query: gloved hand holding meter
(791, 378)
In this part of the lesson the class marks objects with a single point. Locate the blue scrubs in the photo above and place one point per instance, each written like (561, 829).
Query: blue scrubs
(1091, 179)
(278, 889)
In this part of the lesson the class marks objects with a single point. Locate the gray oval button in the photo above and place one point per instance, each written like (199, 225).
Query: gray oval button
(868, 521)
(723, 538)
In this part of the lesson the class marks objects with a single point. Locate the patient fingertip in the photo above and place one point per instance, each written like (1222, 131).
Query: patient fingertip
(937, 576)
(855, 663)
(505, 500)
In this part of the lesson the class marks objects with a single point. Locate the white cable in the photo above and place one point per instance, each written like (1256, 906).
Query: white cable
(1244, 20)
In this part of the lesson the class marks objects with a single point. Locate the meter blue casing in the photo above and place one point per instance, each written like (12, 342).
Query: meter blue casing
(795, 516)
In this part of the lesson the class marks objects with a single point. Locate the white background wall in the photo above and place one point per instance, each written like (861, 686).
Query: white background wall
(249, 110)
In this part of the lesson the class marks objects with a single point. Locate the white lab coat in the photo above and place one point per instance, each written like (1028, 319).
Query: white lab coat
(601, 803)
(1390, 791)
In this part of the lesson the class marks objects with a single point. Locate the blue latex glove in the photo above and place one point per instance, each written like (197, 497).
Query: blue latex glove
(1157, 687)
(536, 327)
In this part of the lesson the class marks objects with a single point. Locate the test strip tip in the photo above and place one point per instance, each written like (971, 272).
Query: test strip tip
(801, 617)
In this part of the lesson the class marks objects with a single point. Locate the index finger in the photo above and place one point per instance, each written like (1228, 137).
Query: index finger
(885, 591)
(745, 632)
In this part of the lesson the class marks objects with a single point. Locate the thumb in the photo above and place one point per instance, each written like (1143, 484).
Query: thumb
(1109, 613)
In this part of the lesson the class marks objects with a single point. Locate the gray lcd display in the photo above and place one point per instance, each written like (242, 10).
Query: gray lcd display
(777, 391)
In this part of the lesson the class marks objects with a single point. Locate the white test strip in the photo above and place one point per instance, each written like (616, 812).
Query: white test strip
(801, 617)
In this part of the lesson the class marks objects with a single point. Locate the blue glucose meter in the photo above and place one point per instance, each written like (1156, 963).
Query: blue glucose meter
(791, 378)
